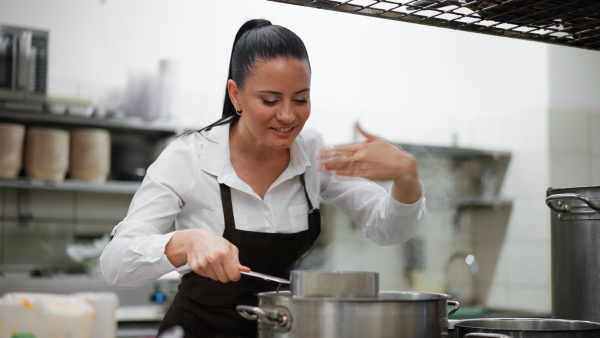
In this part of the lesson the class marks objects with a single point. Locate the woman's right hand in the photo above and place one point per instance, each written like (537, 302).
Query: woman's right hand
(208, 254)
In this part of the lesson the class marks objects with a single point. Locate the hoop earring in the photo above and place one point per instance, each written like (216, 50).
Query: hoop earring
(238, 112)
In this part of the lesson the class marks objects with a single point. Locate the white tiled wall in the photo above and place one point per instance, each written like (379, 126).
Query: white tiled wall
(574, 117)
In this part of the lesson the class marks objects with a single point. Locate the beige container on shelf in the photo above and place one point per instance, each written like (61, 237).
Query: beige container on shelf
(90, 155)
(12, 137)
(47, 154)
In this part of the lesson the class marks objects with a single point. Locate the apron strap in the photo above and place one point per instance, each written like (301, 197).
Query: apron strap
(227, 206)
(310, 206)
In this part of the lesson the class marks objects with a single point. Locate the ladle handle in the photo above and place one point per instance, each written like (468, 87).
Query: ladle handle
(265, 277)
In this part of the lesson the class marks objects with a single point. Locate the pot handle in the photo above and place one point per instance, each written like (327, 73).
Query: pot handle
(274, 317)
(250, 312)
(566, 209)
(456, 306)
(486, 335)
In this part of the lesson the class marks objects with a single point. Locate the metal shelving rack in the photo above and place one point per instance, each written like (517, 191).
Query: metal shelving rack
(149, 130)
(454, 152)
(568, 23)
(152, 130)
(113, 187)
(465, 154)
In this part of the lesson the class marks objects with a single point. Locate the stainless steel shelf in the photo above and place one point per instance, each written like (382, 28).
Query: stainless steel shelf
(70, 121)
(470, 202)
(574, 23)
(481, 203)
(113, 187)
(454, 152)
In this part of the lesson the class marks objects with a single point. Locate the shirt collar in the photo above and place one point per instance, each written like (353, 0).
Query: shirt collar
(215, 158)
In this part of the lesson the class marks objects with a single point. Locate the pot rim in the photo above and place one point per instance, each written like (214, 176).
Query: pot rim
(388, 296)
(503, 324)
(555, 190)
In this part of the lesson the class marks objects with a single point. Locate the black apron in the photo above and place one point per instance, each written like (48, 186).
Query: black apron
(206, 308)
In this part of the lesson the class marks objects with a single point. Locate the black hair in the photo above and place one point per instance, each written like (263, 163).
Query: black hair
(257, 40)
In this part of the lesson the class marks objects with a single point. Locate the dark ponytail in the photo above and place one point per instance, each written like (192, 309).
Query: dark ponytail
(256, 40)
(228, 108)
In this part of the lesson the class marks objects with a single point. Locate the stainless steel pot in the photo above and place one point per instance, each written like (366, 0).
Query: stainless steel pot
(575, 252)
(390, 314)
(525, 328)
(348, 284)
(319, 283)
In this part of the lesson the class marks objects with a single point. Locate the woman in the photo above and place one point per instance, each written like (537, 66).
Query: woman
(244, 192)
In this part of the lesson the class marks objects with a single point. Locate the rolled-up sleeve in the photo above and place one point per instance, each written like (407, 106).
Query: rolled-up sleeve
(402, 221)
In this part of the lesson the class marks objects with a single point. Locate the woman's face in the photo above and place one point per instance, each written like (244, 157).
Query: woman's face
(275, 102)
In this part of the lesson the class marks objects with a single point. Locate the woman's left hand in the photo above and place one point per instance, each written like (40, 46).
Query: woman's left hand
(376, 159)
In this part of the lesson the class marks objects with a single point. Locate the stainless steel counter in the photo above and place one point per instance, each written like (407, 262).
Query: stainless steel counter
(137, 329)
(135, 305)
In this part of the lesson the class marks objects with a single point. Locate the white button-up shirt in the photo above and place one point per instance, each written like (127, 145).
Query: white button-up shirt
(182, 185)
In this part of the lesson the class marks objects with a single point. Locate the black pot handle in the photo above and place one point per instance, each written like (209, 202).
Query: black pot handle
(566, 209)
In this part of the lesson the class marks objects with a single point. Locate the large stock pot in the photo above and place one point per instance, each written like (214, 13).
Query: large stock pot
(575, 252)
(391, 314)
(525, 328)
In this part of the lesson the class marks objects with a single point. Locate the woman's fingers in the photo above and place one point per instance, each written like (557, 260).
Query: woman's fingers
(226, 266)
(335, 153)
(342, 158)
(374, 159)
(368, 136)
(224, 271)
(231, 266)
(338, 158)
(338, 163)
(354, 172)
(212, 256)
(221, 273)
(211, 273)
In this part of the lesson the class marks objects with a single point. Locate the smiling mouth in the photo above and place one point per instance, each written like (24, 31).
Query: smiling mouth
(283, 130)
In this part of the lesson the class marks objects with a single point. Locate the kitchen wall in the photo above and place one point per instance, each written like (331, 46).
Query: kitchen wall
(405, 82)
(574, 117)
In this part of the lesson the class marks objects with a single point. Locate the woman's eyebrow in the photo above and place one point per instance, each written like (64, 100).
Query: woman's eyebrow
(279, 93)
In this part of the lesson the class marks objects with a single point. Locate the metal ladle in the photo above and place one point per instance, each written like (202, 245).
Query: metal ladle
(265, 277)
